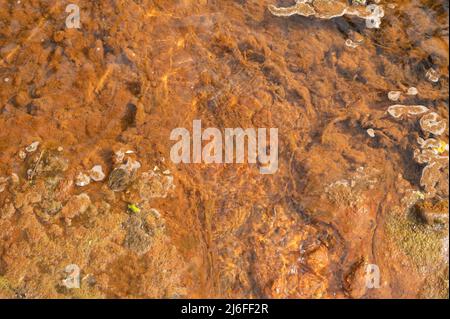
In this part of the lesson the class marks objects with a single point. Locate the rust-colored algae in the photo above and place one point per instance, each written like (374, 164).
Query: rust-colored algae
(361, 183)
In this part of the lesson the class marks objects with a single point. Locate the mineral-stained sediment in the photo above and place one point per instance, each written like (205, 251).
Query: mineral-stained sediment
(356, 187)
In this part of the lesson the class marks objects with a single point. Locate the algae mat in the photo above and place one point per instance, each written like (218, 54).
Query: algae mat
(92, 204)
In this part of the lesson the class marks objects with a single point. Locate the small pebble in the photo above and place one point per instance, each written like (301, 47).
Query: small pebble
(97, 174)
(133, 165)
(82, 180)
(371, 132)
(32, 147)
(432, 75)
(351, 44)
(118, 157)
(394, 95)
(412, 91)
(22, 155)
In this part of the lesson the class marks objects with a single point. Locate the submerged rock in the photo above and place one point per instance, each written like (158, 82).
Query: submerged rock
(394, 95)
(32, 147)
(22, 155)
(118, 157)
(434, 177)
(424, 156)
(51, 207)
(139, 237)
(412, 91)
(76, 206)
(351, 44)
(429, 149)
(432, 75)
(49, 164)
(399, 110)
(82, 180)
(354, 282)
(328, 9)
(433, 124)
(371, 132)
(96, 173)
(354, 40)
(142, 230)
(122, 176)
(52, 164)
(428, 143)
(155, 184)
(119, 179)
(376, 13)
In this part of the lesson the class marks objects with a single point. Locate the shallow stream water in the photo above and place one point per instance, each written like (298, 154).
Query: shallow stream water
(135, 70)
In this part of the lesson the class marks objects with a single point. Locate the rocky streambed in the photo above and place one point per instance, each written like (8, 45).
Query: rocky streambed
(91, 205)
